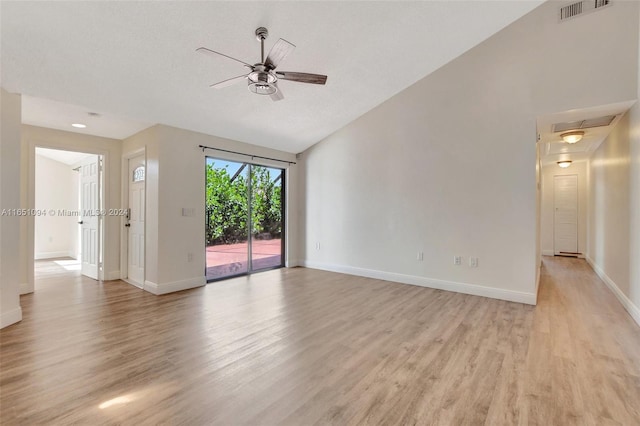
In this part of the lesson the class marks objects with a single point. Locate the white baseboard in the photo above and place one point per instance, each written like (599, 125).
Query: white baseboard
(174, 286)
(112, 275)
(624, 300)
(538, 274)
(292, 263)
(476, 290)
(25, 288)
(53, 254)
(11, 317)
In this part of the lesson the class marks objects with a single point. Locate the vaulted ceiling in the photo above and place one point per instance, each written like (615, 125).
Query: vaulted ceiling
(135, 62)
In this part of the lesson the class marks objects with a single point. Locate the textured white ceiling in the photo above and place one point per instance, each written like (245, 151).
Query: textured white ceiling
(57, 115)
(137, 59)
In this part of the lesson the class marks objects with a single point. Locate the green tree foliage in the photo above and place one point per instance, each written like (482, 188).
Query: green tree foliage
(227, 209)
(265, 202)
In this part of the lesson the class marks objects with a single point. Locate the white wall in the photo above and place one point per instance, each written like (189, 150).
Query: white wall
(111, 150)
(447, 166)
(634, 208)
(549, 171)
(56, 188)
(175, 180)
(612, 249)
(614, 209)
(10, 118)
(633, 293)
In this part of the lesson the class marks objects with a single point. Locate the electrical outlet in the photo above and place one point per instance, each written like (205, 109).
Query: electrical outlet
(473, 262)
(457, 260)
(317, 246)
(420, 256)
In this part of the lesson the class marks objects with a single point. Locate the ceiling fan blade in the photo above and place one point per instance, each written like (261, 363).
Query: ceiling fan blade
(278, 52)
(302, 77)
(213, 54)
(228, 82)
(278, 96)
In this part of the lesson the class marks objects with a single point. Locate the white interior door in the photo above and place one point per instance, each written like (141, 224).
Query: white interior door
(565, 221)
(89, 224)
(135, 222)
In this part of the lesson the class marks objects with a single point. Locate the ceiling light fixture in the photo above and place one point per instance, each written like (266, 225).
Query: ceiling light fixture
(564, 164)
(79, 125)
(263, 88)
(572, 137)
(262, 82)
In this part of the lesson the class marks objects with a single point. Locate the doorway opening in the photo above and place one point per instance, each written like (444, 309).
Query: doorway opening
(244, 218)
(68, 201)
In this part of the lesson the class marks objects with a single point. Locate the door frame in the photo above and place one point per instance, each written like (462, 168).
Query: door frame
(283, 207)
(124, 240)
(29, 285)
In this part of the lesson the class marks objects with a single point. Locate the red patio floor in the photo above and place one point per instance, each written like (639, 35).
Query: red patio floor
(231, 259)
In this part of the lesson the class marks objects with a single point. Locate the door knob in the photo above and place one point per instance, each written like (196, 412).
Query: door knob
(127, 225)
(81, 222)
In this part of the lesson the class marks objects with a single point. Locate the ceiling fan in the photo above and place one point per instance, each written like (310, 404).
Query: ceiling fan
(263, 77)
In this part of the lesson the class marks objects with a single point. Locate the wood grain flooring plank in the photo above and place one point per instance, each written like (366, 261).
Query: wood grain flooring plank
(300, 347)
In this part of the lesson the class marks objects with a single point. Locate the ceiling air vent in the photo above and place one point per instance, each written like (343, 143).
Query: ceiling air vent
(584, 124)
(581, 7)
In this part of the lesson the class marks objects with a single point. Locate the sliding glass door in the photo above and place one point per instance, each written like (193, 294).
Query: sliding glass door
(266, 217)
(244, 218)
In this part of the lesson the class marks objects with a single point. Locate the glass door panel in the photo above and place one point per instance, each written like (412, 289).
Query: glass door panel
(266, 191)
(227, 213)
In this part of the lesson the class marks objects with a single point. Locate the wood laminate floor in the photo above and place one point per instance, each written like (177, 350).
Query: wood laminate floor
(302, 347)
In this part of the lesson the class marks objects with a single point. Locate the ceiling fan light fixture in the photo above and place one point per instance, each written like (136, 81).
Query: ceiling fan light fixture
(262, 82)
(572, 137)
(262, 78)
(262, 88)
(564, 164)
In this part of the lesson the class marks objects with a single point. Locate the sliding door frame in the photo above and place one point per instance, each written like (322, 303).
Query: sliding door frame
(283, 218)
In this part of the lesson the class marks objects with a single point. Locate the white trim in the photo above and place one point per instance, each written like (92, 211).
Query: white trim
(171, 287)
(538, 274)
(476, 290)
(624, 300)
(25, 288)
(53, 254)
(112, 275)
(11, 317)
(292, 263)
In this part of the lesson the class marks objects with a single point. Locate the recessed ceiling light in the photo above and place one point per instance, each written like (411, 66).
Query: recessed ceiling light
(79, 125)
(564, 164)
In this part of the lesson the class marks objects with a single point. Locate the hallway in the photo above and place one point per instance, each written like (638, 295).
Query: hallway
(302, 346)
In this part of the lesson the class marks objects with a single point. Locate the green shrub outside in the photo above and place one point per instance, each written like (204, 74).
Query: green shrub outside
(227, 210)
